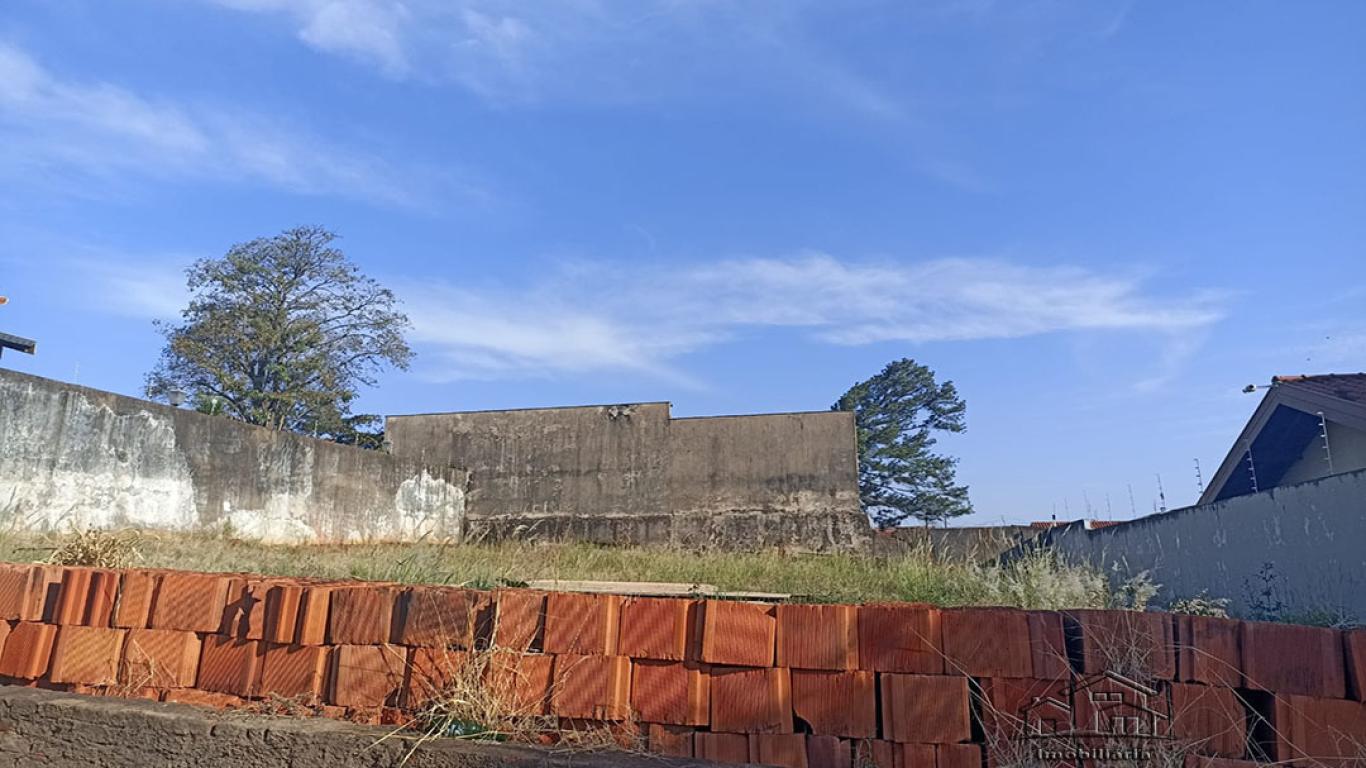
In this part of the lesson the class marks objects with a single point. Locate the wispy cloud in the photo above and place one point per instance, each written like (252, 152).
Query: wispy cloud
(598, 318)
(100, 130)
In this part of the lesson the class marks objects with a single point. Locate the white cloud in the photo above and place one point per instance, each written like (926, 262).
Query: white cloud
(599, 318)
(371, 30)
(100, 130)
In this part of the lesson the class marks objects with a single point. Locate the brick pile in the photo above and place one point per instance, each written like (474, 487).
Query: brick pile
(889, 685)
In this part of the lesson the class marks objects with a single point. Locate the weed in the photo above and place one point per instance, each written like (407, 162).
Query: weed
(98, 548)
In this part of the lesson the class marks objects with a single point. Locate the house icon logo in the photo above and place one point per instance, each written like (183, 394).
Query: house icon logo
(1102, 718)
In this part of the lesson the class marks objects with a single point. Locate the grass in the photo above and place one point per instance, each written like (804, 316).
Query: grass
(916, 576)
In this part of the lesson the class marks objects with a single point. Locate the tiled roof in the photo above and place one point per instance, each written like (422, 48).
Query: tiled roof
(1344, 386)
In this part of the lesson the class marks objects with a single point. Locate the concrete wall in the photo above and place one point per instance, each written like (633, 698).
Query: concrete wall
(629, 474)
(76, 456)
(1305, 544)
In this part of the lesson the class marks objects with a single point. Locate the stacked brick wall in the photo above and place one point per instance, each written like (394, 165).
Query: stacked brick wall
(890, 685)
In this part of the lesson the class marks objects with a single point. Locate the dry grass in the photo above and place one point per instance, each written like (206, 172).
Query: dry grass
(1038, 581)
(96, 548)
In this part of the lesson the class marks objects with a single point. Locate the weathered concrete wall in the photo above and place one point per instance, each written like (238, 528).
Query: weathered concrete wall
(76, 456)
(1300, 547)
(976, 543)
(630, 474)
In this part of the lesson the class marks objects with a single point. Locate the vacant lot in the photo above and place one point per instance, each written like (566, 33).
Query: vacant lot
(916, 576)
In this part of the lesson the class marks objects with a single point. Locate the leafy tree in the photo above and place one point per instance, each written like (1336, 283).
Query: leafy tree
(282, 332)
(896, 414)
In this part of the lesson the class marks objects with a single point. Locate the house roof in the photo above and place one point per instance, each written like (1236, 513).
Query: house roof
(1281, 428)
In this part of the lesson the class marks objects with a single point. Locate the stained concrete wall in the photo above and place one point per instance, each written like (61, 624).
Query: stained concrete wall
(76, 456)
(630, 474)
(1300, 547)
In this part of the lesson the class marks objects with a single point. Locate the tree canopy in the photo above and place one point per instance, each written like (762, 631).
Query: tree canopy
(896, 416)
(282, 332)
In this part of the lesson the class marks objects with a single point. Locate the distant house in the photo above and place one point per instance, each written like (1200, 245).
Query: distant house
(1306, 427)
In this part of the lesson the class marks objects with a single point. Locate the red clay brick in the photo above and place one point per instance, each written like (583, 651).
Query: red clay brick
(136, 592)
(914, 755)
(987, 642)
(438, 617)
(829, 752)
(520, 623)
(836, 703)
(582, 624)
(200, 698)
(901, 637)
(659, 628)
(88, 655)
(227, 665)
(671, 692)
(282, 606)
(1355, 646)
(875, 753)
(1200, 761)
(104, 592)
(1009, 704)
(925, 709)
(957, 756)
(597, 687)
(25, 589)
(742, 634)
(362, 615)
(722, 747)
(670, 740)
(1317, 732)
(192, 602)
(430, 672)
(73, 599)
(314, 610)
(751, 700)
(367, 675)
(1207, 651)
(1136, 644)
(1048, 645)
(782, 749)
(1291, 659)
(293, 671)
(160, 658)
(1210, 718)
(4, 634)
(244, 614)
(818, 637)
(28, 650)
(521, 681)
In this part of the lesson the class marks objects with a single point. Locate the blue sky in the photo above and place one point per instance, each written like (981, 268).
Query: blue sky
(1099, 219)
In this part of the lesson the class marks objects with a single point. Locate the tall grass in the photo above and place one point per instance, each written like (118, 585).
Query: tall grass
(1039, 581)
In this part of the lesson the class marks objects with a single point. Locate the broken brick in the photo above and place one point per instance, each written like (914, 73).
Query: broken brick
(582, 623)
(88, 655)
(597, 687)
(659, 628)
(987, 642)
(669, 740)
(367, 675)
(228, 665)
(836, 703)
(28, 650)
(293, 671)
(783, 749)
(520, 622)
(674, 693)
(900, 637)
(192, 602)
(1292, 659)
(362, 615)
(160, 658)
(751, 700)
(818, 637)
(438, 617)
(244, 613)
(925, 709)
(736, 633)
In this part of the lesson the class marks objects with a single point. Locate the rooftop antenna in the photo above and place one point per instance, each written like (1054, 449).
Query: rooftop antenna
(1199, 479)
(1161, 494)
(1323, 432)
